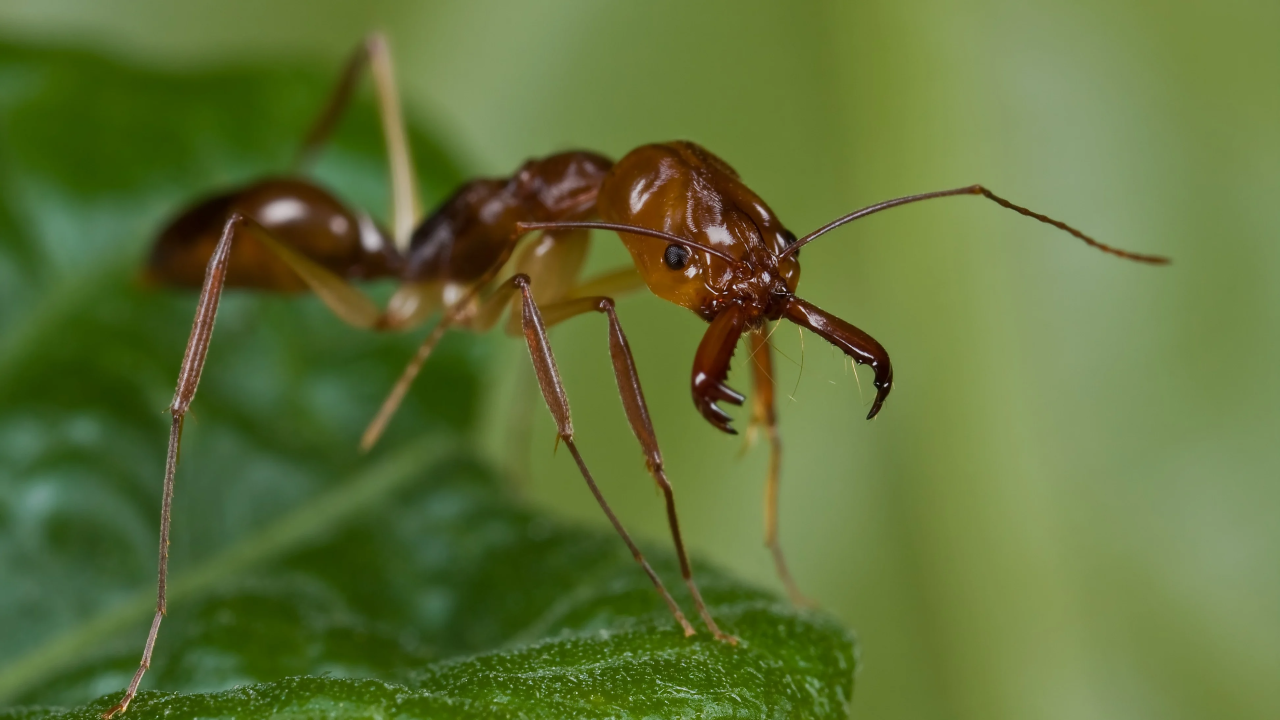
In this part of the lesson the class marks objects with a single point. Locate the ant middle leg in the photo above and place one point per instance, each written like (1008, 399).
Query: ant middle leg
(555, 258)
(372, 52)
(764, 415)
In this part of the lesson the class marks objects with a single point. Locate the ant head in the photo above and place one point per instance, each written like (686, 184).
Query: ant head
(682, 190)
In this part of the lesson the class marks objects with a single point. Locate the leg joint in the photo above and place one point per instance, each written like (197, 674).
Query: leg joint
(659, 475)
(375, 42)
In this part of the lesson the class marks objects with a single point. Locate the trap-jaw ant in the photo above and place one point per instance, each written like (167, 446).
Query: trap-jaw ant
(698, 237)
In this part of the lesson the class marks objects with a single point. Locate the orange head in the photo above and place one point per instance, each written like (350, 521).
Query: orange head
(681, 189)
(727, 260)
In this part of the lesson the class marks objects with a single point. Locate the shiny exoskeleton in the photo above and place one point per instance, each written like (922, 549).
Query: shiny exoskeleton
(677, 188)
(697, 236)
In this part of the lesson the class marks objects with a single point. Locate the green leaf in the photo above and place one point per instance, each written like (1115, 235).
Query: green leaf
(306, 580)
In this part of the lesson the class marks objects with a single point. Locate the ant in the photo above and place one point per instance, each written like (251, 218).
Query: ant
(698, 236)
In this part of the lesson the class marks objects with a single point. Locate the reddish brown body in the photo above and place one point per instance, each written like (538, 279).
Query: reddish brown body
(676, 188)
(697, 235)
(298, 214)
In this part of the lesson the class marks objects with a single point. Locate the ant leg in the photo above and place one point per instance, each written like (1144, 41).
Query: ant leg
(405, 203)
(322, 127)
(637, 411)
(188, 380)
(618, 282)
(764, 414)
(544, 365)
(341, 297)
(409, 306)
(465, 312)
(455, 314)
(554, 257)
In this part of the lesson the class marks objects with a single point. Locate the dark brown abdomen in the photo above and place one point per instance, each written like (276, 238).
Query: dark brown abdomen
(297, 214)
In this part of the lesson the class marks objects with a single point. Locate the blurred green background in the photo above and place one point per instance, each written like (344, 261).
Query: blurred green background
(1068, 508)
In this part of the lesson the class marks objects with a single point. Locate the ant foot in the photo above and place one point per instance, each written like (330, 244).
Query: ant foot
(725, 638)
(688, 628)
(116, 709)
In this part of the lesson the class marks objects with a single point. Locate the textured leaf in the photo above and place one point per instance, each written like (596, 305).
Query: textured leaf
(307, 580)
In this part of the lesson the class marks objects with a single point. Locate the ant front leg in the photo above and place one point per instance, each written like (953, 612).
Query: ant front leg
(405, 203)
(764, 414)
(188, 380)
(637, 411)
(544, 365)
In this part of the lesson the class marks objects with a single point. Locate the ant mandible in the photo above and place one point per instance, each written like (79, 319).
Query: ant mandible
(697, 235)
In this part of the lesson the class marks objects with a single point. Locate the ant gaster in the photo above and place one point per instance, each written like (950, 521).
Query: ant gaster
(698, 237)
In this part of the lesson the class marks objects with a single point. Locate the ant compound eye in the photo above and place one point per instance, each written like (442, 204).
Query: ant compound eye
(676, 257)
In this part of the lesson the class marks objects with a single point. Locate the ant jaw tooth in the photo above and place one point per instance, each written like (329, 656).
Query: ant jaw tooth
(716, 415)
(727, 394)
(882, 392)
(723, 422)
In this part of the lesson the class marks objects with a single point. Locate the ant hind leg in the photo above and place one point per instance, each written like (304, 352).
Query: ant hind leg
(764, 414)
(406, 206)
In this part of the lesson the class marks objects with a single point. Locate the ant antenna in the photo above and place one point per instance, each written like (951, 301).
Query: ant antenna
(634, 229)
(971, 190)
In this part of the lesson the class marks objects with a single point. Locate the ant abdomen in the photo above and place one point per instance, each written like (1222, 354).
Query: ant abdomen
(296, 213)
